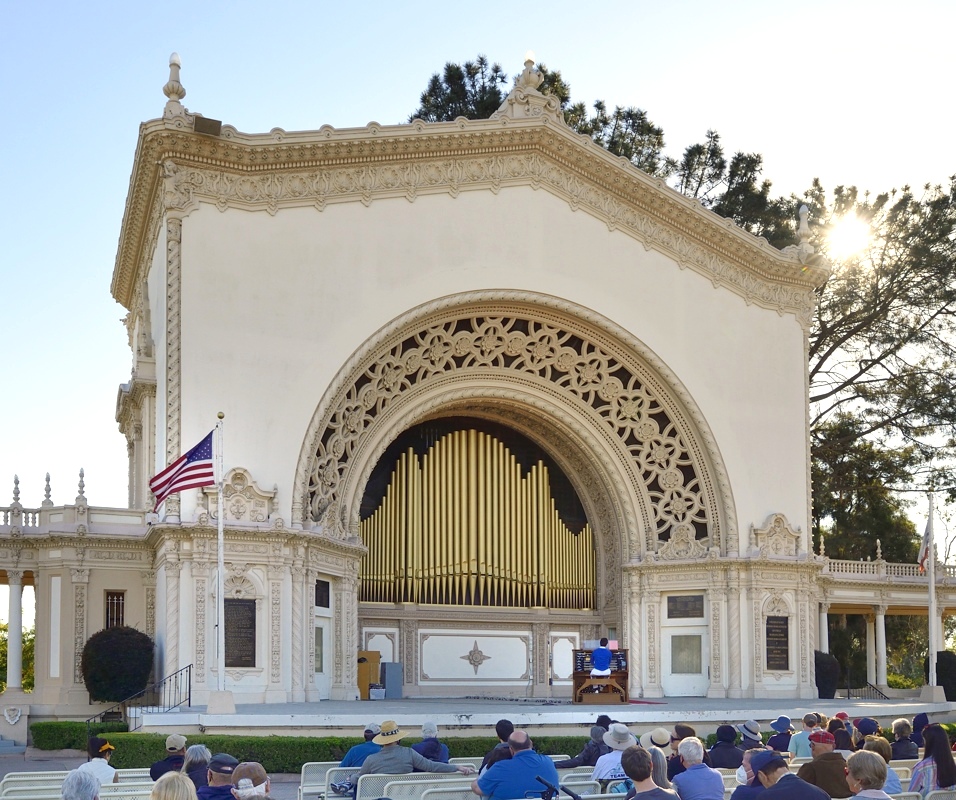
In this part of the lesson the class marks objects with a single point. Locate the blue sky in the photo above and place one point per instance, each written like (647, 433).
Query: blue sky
(851, 92)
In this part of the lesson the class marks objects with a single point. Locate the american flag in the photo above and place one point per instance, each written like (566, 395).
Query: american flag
(189, 471)
(923, 551)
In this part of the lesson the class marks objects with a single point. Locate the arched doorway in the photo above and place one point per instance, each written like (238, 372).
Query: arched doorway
(622, 429)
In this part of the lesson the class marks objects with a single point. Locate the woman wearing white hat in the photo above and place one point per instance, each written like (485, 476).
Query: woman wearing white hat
(608, 767)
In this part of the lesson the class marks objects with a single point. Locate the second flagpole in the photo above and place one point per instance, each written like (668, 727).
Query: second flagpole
(220, 701)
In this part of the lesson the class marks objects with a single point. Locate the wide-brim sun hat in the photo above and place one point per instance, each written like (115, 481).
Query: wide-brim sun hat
(750, 729)
(782, 724)
(659, 737)
(390, 734)
(618, 737)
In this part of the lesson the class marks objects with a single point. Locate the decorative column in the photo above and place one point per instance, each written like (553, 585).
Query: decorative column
(653, 627)
(15, 632)
(718, 615)
(870, 649)
(733, 633)
(346, 645)
(172, 617)
(634, 634)
(81, 577)
(174, 232)
(824, 627)
(880, 645)
(298, 630)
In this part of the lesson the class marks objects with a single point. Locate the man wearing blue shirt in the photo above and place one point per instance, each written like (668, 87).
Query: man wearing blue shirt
(697, 781)
(515, 777)
(356, 755)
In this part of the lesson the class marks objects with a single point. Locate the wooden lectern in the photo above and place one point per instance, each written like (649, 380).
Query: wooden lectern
(599, 691)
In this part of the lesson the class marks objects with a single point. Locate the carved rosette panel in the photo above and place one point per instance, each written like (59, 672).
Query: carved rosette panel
(201, 592)
(79, 630)
(408, 631)
(276, 643)
(582, 364)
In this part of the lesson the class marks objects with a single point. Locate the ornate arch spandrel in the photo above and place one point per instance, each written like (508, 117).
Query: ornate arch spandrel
(592, 364)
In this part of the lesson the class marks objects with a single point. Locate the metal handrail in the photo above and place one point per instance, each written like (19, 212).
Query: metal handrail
(171, 692)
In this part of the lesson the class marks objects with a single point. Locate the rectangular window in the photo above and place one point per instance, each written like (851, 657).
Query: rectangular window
(115, 609)
(319, 650)
(686, 655)
(322, 594)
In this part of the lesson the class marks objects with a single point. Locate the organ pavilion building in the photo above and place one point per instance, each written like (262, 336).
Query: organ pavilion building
(490, 393)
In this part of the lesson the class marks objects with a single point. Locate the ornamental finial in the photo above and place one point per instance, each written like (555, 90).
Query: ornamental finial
(174, 89)
(47, 500)
(16, 488)
(879, 550)
(531, 78)
(803, 229)
(81, 487)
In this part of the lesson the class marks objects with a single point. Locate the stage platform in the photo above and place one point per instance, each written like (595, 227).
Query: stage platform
(477, 717)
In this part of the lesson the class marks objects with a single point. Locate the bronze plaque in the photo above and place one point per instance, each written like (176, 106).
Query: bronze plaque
(688, 606)
(240, 632)
(778, 644)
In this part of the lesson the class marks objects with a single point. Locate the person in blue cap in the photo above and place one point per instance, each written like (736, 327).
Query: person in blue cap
(779, 782)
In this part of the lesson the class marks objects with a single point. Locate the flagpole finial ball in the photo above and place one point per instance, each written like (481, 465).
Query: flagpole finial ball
(220, 415)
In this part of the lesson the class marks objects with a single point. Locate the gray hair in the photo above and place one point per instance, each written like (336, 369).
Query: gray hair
(197, 755)
(659, 767)
(80, 785)
(902, 728)
(868, 768)
(691, 750)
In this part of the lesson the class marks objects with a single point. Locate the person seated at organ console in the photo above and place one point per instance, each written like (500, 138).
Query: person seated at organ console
(601, 660)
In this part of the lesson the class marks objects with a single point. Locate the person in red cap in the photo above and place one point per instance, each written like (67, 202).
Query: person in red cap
(827, 769)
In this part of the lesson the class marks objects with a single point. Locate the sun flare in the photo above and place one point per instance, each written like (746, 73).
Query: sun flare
(848, 237)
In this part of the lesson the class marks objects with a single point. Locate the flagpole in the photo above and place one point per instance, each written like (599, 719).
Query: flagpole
(931, 557)
(220, 600)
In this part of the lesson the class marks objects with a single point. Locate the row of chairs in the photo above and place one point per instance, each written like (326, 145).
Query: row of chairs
(133, 784)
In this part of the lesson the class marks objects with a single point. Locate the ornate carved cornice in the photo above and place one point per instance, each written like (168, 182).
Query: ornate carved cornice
(175, 168)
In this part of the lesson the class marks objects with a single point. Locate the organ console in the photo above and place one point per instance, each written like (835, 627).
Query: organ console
(599, 691)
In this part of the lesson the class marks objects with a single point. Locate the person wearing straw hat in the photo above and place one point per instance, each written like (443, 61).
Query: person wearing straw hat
(659, 738)
(100, 752)
(608, 766)
(517, 777)
(393, 759)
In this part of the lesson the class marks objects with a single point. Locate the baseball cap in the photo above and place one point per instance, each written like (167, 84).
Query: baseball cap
(252, 770)
(760, 761)
(373, 727)
(223, 763)
(175, 742)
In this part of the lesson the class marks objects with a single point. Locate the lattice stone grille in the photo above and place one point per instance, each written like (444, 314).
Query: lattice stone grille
(510, 343)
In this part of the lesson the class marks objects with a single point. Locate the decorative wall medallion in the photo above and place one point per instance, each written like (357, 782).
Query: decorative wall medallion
(12, 714)
(475, 657)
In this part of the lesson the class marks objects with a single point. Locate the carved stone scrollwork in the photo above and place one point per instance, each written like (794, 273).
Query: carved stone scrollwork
(682, 546)
(242, 499)
(777, 538)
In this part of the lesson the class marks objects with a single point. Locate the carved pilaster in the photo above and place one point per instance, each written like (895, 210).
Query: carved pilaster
(718, 617)
(172, 617)
(298, 609)
(408, 632)
(149, 589)
(80, 579)
(275, 640)
(174, 230)
(733, 634)
(633, 634)
(202, 592)
(653, 611)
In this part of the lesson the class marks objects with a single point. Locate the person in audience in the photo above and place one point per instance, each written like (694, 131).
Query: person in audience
(604, 721)
(593, 750)
(429, 746)
(903, 746)
(175, 756)
(658, 764)
(357, 754)
(750, 735)
(800, 742)
(937, 770)
(80, 785)
(393, 759)
(100, 752)
(867, 726)
(866, 774)
(196, 764)
(724, 754)
(750, 785)
(697, 781)
(846, 722)
(659, 737)
(517, 777)
(218, 778)
(879, 745)
(608, 767)
(503, 728)
(920, 721)
(783, 730)
(638, 765)
(173, 786)
(250, 781)
(779, 782)
(827, 769)
(674, 764)
(842, 743)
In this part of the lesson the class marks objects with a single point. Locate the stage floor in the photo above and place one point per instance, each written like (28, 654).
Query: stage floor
(471, 717)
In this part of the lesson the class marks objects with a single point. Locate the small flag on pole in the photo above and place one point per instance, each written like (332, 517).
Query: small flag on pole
(923, 550)
(189, 471)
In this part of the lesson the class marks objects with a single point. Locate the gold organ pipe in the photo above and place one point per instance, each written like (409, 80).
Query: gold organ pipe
(470, 562)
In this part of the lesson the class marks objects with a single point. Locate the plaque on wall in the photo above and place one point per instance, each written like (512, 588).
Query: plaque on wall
(687, 606)
(778, 644)
(240, 632)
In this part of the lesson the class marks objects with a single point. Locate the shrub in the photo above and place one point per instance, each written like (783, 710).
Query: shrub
(945, 672)
(828, 674)
(896, 681)
(116, 663)
(69, 735)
